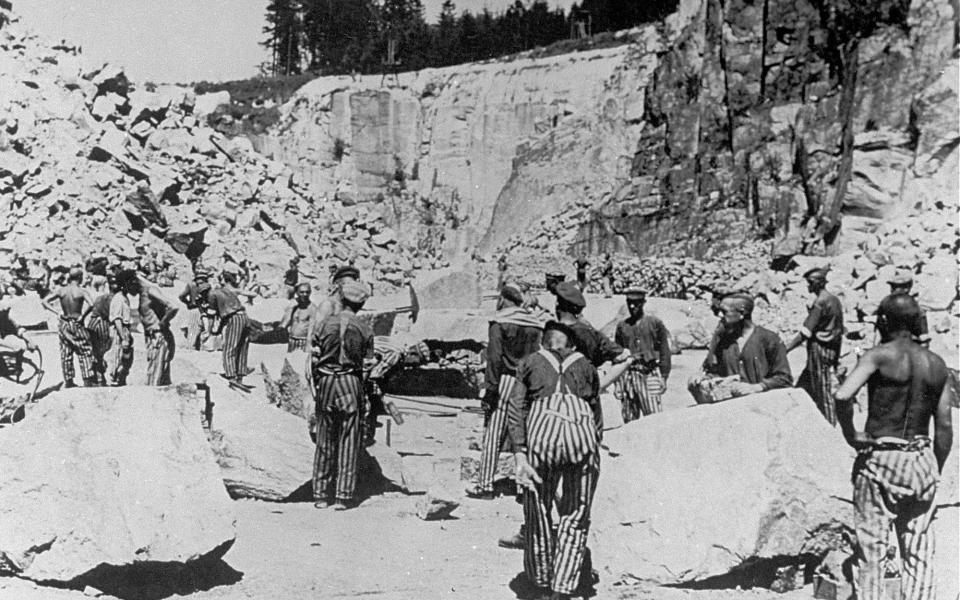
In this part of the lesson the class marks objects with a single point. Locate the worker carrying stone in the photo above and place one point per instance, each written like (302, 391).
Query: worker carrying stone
(75, 305)
(647, 339)
(297, 318)
(232, 321)
(753, 355)
(898, 466)
(555, 424)
(514, 334)
(823, 332)
(902, 283)
(338, 348)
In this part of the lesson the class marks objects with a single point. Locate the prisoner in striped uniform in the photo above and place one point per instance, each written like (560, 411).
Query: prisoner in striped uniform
(98, 323)
(514, 333)
(823, 332)
(75, 304)
(194, 295)
(121, 355)
(553, 562)
(156, 311)
(297, 318)
(338, 349)
(232, 322)
(897, 468)
(647, 339)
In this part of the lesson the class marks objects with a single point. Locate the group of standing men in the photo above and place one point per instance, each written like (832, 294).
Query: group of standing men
(537, 369)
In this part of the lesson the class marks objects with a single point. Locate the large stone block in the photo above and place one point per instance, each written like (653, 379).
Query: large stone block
(263, 452)
(695, 493)
(110, 476)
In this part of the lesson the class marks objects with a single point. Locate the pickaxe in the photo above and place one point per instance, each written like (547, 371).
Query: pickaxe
(413, 308)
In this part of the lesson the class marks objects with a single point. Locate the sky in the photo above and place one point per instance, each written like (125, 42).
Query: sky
(180, 41)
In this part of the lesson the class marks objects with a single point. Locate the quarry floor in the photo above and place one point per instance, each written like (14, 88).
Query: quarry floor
(382, 550)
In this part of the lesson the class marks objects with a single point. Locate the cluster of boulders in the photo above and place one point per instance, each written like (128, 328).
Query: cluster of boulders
(92, 164)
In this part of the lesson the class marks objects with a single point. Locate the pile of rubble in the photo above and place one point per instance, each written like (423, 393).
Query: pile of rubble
(90, 163)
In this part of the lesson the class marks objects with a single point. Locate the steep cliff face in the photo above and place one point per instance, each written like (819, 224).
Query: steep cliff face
(730, 120)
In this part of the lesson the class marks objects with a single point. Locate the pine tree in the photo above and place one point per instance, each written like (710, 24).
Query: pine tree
(284, 33)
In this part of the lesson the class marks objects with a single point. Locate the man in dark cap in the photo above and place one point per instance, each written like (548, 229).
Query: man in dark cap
(338, 348)
(823, 332)
(75, 304)
(514, 334)
(647, 339)
(194, 295)
(588, 341)
(297, 318)
(897, 468)
(548, 451)
(232, 320)
(902, 283)
(330, 305)
(754, 353)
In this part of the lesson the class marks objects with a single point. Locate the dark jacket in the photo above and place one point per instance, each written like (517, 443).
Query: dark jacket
(763, 359)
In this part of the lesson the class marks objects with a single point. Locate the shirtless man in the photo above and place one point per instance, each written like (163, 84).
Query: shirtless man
(897, 470)
(75, 304)
(297, 318)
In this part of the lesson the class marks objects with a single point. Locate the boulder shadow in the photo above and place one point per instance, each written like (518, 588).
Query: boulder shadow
(159, 580)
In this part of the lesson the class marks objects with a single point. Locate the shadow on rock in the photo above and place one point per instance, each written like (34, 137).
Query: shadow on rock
(155, 581)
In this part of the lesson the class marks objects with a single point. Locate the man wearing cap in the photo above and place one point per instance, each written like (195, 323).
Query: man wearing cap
(514, 334)
(232, 320)
(74, 337)
(194, 295)
(297, 318)
(98, 323)
(897, 469)
(902, 283)
(588, 341)
(746, 349)
(121, 359)
(823, 332)
(553, 562)
(647, 339)
(331, 305)
(338, 347)
(155, 311)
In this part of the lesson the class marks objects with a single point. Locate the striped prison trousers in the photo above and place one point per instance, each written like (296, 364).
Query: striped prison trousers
(75, 339)
(120, 360)
(555, 561)
(340, 406)
(195, 329)
(236, 344)
(294, 344)
(494, 435)
(640, 394)
(895, 487)
(819, 378)
(160, 350)
(100, 341)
